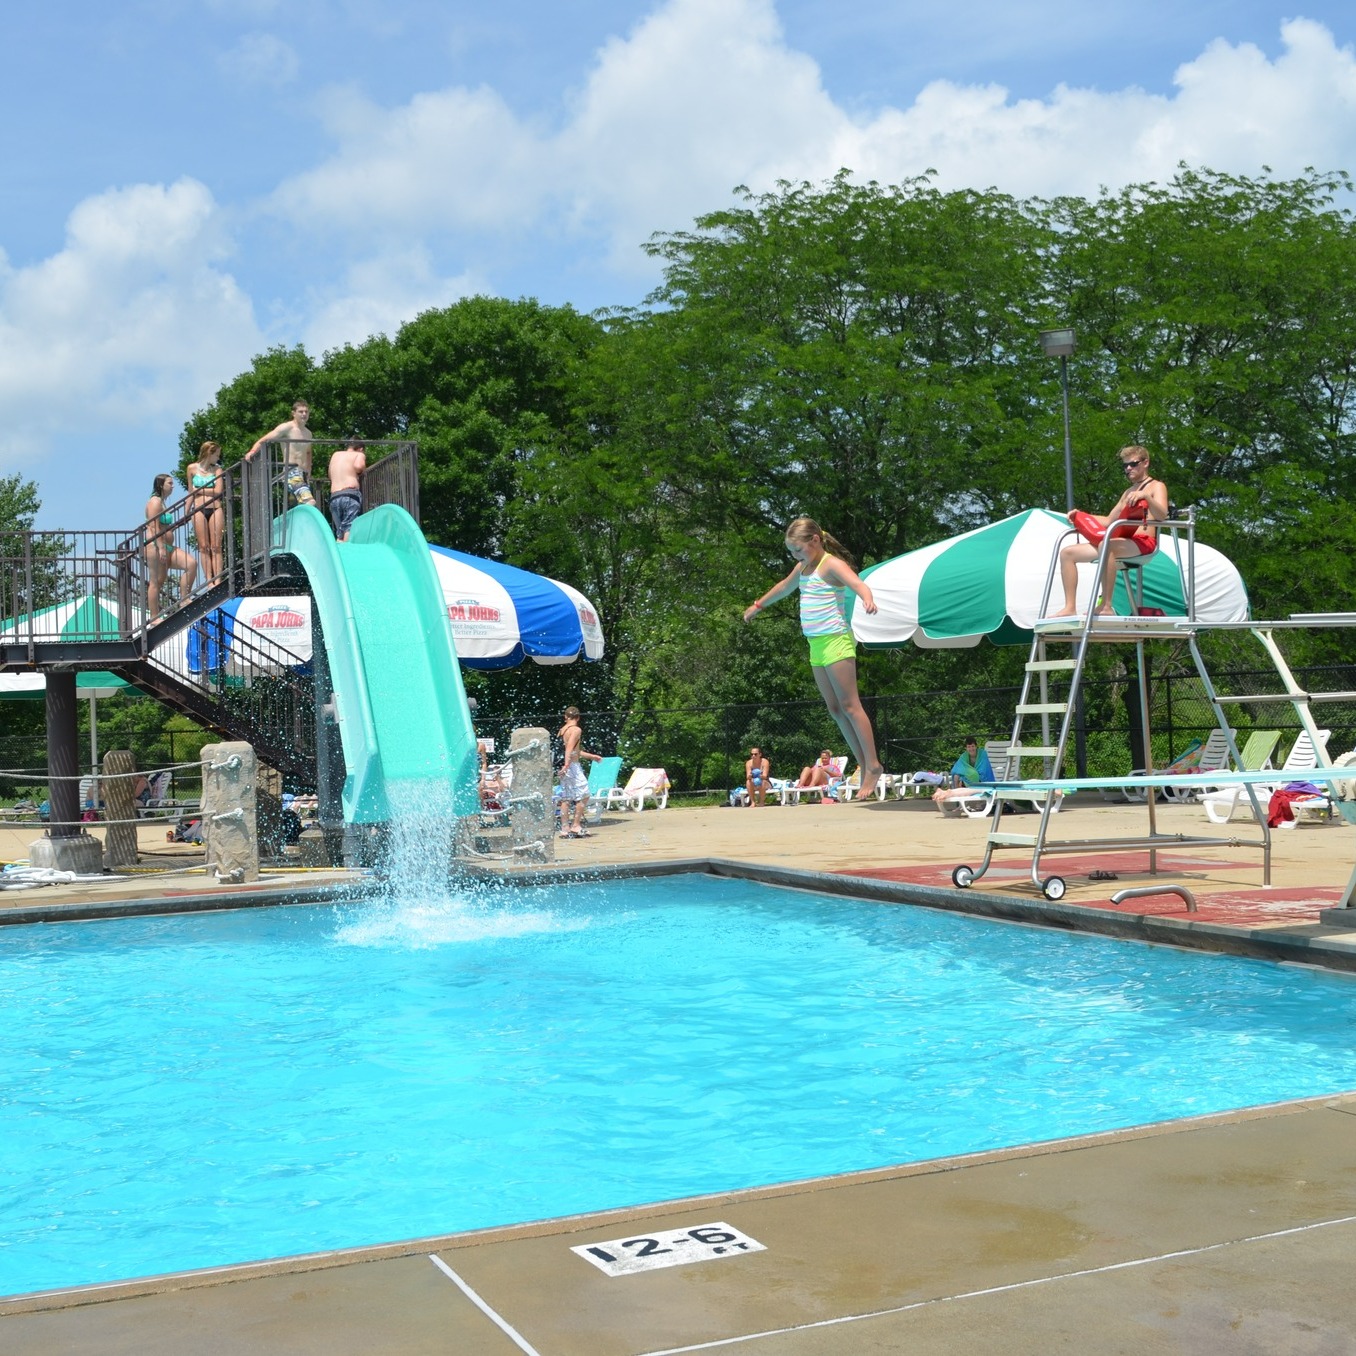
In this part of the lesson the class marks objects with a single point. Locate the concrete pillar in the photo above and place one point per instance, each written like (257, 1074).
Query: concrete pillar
(531, 815)
(120, 838)
(63, 756)
(66, 846)
(229, 812)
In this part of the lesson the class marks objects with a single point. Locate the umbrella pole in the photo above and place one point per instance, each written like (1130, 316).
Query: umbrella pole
(93, 738)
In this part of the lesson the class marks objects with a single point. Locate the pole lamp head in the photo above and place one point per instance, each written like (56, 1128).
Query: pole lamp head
(1057, 343)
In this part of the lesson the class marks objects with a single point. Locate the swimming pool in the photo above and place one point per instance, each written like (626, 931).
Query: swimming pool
(191, 1091)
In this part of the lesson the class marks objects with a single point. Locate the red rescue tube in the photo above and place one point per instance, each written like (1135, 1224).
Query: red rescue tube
(1087, 526)
(1137, 513)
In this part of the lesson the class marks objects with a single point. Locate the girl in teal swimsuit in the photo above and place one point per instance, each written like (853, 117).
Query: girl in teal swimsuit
(824, 576)
(205, 498)
(162, 555)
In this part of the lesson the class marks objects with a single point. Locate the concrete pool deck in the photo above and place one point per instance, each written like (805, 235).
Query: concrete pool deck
(1232, 1233)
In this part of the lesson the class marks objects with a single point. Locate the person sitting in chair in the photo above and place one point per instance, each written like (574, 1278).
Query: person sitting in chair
(1137, 514)
(820, 772)
(970, 771)
(757, 773)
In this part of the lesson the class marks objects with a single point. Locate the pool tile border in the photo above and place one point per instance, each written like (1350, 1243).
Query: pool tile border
(1313, 944)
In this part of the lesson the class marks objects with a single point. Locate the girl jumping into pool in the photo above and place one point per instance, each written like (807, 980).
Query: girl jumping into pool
(823, 576)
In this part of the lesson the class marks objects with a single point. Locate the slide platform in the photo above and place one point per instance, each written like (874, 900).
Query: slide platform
(402, 711)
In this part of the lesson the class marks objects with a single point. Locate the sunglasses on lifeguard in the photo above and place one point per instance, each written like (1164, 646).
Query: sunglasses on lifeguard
(1130, 465)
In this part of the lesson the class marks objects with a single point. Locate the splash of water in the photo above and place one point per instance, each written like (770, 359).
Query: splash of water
(423, 905)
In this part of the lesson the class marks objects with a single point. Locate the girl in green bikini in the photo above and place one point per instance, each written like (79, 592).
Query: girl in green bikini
(162, 555)
(823, 576)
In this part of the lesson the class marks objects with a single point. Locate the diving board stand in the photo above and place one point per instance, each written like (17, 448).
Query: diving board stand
(1060, 649)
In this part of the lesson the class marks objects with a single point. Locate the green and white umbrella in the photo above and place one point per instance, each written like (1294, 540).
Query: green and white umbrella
(81, 619)
(989, 582)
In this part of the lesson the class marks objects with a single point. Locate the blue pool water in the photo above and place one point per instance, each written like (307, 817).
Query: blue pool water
(184, 1092)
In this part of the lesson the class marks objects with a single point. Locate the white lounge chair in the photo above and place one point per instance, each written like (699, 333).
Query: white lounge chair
(1333, 803)
(978, 802)
(1212, 756)
(1220, 804)
(851, 786)
(829, 791)
(645, 783)
(981, 801)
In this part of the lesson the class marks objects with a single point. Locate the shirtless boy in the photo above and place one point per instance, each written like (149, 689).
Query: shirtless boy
(296, 440)
(346, 496)
(574, 785)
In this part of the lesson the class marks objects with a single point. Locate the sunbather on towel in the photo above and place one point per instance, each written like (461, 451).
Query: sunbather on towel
(819, 773)
(970, 771)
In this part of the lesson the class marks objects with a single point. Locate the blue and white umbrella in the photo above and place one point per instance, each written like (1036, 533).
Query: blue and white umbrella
(502, 615)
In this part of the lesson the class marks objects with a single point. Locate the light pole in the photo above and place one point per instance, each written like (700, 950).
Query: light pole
(1060, 344)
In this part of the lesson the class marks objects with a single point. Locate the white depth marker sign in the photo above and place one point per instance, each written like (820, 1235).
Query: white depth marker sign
(648, 1252)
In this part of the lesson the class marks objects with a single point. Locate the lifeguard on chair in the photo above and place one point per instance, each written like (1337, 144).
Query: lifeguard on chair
(1135, 532)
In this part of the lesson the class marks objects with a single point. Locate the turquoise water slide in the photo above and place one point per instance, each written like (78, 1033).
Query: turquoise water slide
(401, 706)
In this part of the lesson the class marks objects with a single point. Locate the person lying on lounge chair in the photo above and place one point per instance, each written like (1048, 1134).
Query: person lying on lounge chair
(820, 772)
(971, 770)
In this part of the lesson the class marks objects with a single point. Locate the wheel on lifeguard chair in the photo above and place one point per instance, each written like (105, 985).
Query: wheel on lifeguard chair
(963, 877)
(1053, 887)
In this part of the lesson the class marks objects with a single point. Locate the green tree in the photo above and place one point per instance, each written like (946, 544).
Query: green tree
(1215, 316)
(254, 402)
(860, 353)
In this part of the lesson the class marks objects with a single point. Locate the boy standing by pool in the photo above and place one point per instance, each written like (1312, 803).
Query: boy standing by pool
(574, 785)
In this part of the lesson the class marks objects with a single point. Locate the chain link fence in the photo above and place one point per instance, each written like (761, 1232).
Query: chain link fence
(23, 763)
(703, 748)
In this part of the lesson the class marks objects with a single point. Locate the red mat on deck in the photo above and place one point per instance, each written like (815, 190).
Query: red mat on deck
(1009, 873)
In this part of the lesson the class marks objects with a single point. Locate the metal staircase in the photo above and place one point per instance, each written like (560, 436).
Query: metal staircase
(102, 580)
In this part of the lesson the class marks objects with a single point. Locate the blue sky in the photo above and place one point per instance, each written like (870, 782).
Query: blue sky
(190, 181)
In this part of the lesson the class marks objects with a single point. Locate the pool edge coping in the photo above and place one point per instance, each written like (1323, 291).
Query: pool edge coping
(1312, 944)
(103, 1292)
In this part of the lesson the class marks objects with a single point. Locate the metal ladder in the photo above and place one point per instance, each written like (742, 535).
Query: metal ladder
(1037, 700)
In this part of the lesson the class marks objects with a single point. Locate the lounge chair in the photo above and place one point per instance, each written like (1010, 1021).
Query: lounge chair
(1323, 808)
(851, 786)
(980, 800)
(602, 781)
(1211, 756)
(646, 783)
(827, 792)
(156, 796)
(1221, 803)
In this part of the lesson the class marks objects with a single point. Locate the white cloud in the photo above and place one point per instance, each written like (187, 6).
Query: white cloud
(704, 94)
(136, 320)
(379, 295)
(131, 324)
(260, 59)
(1233, 110)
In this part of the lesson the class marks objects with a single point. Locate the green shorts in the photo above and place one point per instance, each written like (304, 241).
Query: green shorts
(826, 650)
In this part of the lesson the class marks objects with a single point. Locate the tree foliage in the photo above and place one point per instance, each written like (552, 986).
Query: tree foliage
(868, 354)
